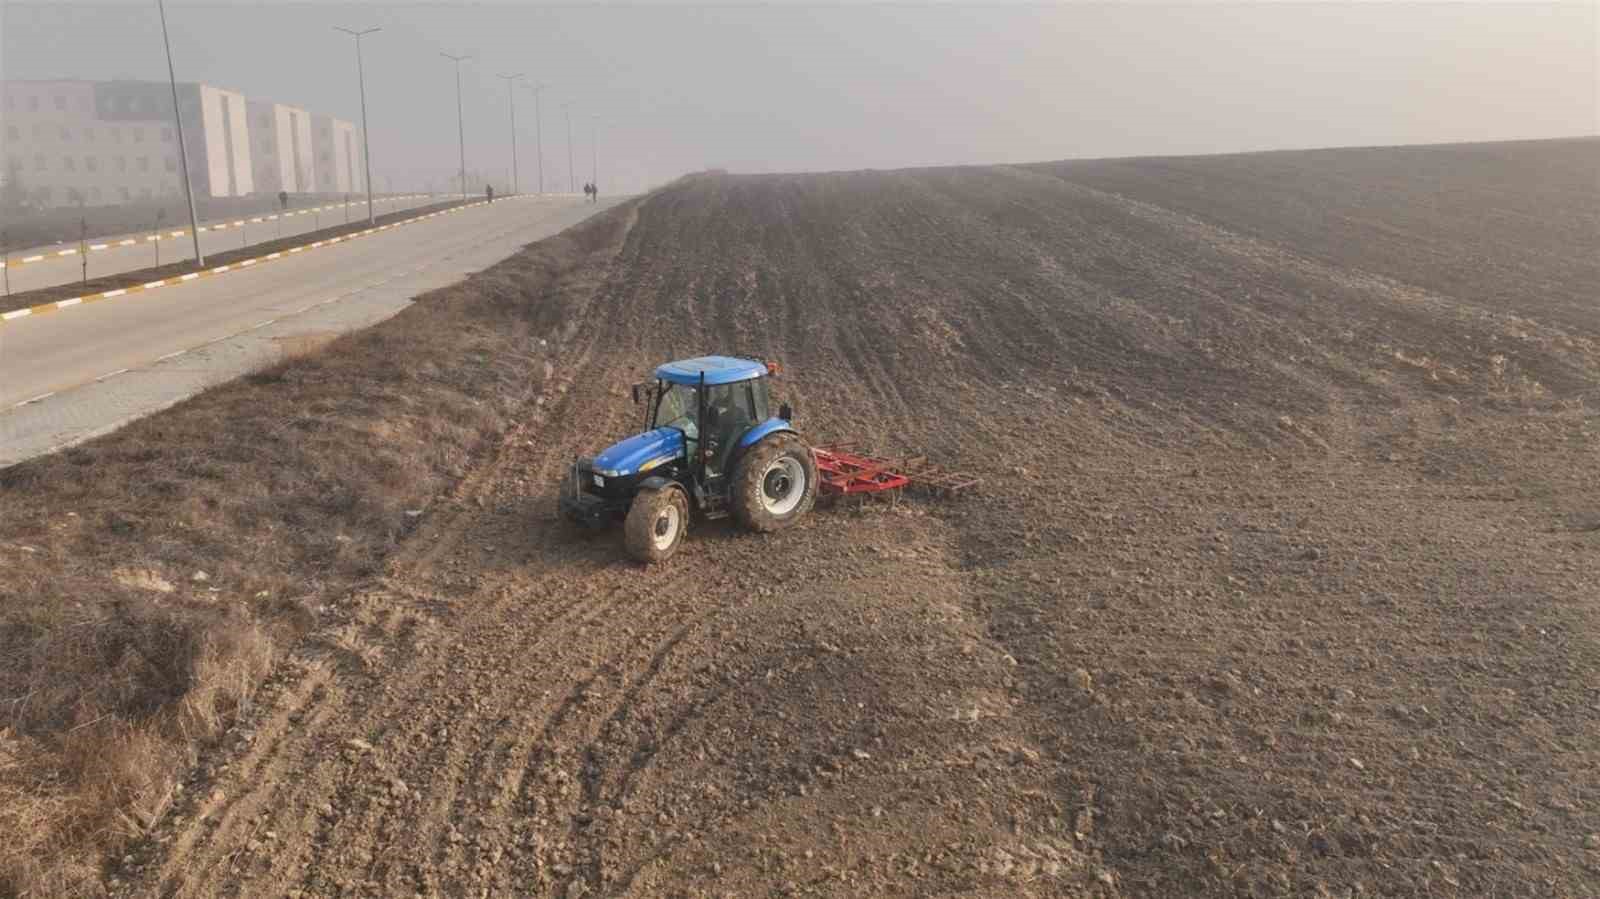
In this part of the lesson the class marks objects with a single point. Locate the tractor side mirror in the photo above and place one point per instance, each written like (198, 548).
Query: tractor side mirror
(786, 412)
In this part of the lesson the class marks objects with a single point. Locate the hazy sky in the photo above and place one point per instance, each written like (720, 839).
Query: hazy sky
(838, 86)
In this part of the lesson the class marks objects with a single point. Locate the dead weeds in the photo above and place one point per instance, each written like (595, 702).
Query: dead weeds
(152, 577)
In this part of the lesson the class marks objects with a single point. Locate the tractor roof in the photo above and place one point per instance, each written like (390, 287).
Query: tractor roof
(717, 369)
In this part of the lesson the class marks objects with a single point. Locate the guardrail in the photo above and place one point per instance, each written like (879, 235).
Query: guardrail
(59, 305)
(184, 232)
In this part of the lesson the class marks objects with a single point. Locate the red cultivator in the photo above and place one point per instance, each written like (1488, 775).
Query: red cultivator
(842, 468)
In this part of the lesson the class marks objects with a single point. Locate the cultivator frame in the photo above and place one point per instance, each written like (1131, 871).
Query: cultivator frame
(844, 469)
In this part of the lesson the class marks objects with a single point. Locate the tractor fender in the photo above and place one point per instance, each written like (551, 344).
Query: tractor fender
(656, 482)
(762, 431)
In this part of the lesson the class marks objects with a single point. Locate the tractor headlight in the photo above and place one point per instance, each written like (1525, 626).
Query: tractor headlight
(599, 481)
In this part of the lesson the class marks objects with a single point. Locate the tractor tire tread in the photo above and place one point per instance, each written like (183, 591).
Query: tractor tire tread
(638, 530)
(745, 497)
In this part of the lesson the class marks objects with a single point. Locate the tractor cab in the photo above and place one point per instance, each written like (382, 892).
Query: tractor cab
(715, 403)
(705, 420)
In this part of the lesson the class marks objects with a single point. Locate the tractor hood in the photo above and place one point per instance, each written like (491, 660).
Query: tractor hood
(631, 456)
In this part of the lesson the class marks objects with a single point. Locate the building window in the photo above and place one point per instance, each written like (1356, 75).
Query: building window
(39, 163)
(90, 164)
(166, 135)
(148, 105)
(66, 134)
(67, 165)
(116, 135)
(44, 195)
(61, 104)
(38, 131)
(144, 163)
(126, 103)
(33, 104)
(144, 193)
(126, 196)
(138, 135)
(122, 163)
(172, 164)
(88, 135)
(94, 195)
(13, 132)
(85, 104)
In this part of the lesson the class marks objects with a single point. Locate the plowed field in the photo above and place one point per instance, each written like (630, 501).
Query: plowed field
(1282, 580)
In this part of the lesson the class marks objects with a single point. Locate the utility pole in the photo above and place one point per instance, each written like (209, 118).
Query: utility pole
(366, 146)
(594, 150)
(572, 174)
(511, 98)
(183, 152)
(461, 130)
(538, 132)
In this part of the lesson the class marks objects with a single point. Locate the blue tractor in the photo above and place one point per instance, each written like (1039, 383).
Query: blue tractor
(711, 445)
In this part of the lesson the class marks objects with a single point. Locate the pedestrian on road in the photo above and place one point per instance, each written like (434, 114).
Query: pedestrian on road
(488, 191)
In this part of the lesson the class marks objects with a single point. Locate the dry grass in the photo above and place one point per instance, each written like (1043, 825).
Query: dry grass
(150, 578)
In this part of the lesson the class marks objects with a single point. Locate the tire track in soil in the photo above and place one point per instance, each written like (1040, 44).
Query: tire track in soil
(284, 773)
(461, 754)
(572, 686)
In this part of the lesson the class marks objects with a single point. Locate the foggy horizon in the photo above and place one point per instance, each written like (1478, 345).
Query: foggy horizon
(795, 88)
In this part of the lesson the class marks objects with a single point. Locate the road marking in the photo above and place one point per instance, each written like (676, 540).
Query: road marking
(42, 396)
(171, 356)
(112, 374)
(93, 298)
(261, 324)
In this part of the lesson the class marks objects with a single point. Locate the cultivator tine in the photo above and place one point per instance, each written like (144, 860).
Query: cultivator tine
(846, 469)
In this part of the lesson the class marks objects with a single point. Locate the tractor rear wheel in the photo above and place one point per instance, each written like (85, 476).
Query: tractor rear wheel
(774, 483)
(656, 523)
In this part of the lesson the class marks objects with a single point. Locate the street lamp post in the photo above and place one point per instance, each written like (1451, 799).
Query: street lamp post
(183, 153)
(538, 132)
(594, 150)
(461, 130)
(572, 174)
(366, 145)
(511, 98)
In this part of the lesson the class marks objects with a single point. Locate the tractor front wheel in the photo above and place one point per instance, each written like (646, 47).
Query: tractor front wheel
(774, 483)
(656, 524)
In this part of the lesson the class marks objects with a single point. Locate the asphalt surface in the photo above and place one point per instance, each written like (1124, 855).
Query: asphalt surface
(80, 372)
(118, 256)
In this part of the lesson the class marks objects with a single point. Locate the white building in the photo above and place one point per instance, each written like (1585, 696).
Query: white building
(95, 143)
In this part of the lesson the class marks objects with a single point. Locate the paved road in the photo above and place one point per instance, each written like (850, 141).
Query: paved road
(86, 370)
(118, 256)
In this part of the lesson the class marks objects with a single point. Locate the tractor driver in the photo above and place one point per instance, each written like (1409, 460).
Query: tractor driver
(726, 420)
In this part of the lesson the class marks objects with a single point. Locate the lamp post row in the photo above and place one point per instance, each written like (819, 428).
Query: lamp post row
(366, 146)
